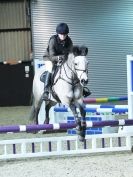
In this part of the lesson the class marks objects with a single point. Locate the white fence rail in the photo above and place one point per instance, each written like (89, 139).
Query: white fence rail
(60, 146)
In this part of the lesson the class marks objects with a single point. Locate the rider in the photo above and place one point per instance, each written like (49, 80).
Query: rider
(59, 45)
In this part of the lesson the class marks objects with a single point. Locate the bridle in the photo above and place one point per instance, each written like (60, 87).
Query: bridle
(74, 80)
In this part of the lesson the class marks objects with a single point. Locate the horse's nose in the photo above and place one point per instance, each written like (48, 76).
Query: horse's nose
(84, 82)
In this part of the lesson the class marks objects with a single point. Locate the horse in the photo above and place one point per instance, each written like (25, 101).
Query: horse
(67, 88)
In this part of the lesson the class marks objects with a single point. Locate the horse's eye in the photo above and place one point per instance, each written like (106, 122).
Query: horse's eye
(76, 64)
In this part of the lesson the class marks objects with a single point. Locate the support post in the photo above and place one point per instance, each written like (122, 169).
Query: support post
(130, 91)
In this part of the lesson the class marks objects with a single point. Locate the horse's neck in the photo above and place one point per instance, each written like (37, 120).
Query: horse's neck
(67, 69)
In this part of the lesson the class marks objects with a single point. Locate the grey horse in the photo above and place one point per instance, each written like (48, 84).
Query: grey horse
(67, 88)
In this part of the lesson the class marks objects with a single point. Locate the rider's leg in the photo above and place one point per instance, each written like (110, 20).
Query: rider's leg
(48, 65)
(46, 86)
(86, 92)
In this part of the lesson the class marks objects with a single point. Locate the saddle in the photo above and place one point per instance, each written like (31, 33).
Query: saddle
(53, 75)
(54, 72)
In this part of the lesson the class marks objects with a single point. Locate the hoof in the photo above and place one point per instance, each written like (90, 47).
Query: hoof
(81, 135)
(35, 132)
(80, 130)
(81, 138)
(46, 122)
(42, 131)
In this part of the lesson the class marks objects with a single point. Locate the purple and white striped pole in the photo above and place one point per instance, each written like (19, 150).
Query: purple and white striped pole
(63, 126)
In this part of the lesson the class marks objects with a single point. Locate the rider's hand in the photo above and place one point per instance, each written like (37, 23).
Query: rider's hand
(61, 58)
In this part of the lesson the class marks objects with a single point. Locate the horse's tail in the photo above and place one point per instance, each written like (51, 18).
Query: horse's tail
(31, 98)
(35, 110)
(32, 115)
(32, 110)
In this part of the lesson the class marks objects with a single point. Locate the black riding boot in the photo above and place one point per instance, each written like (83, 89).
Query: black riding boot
(86, 92)
(46, 86)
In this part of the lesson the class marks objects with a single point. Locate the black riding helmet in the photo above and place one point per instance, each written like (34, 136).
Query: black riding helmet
(62, 28)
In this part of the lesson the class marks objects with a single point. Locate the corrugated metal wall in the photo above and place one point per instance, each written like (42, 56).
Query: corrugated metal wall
(13, 14)
(15, 45)
(15, 35)
(105, 26)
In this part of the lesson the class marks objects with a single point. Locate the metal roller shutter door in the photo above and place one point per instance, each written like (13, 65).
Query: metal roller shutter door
(104, 26)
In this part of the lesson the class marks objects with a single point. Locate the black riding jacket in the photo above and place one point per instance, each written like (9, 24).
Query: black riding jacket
(57, 47)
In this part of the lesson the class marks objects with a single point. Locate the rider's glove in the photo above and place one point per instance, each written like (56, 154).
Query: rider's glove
(61, 58)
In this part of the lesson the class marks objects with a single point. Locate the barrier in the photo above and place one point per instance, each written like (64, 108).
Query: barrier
(93, 113)
(54, 118)
(69, 145)
(104, 100)
(105, 106)
(63, 126)
(94, 110)
(130, 90)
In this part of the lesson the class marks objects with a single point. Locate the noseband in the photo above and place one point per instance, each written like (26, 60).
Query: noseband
(83, 71)
(75, 79)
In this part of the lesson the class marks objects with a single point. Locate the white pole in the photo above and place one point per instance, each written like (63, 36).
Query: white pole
(130, 85)
(130, 91)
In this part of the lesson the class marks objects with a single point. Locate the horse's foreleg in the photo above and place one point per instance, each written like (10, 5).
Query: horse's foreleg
(47, 108)
(79, 127)
(75, 113)
(83, 120)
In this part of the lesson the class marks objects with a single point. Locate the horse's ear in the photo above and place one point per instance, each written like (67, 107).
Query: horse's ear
(76, 51)
(83, 50)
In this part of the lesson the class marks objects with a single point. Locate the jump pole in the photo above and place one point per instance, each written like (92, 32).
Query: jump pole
(64, 126)
(94, 110)
(104, 100)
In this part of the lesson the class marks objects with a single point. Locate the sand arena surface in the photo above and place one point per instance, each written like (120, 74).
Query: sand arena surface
(111, 165)
(100, 165)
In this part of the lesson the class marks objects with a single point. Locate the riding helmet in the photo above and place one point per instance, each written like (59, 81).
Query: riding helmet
(62, 28)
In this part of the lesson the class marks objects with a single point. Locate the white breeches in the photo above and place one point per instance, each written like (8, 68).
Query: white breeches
(48, 66)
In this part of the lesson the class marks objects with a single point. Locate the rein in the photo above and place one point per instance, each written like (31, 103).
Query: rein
(74, 80)
(76, 69)
(73, 83)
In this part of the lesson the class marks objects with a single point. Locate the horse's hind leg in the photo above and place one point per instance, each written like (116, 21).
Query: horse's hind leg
(49, 104)
(79, 127)
(37, 109)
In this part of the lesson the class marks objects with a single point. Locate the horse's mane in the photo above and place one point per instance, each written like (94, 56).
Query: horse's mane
(77, 51)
